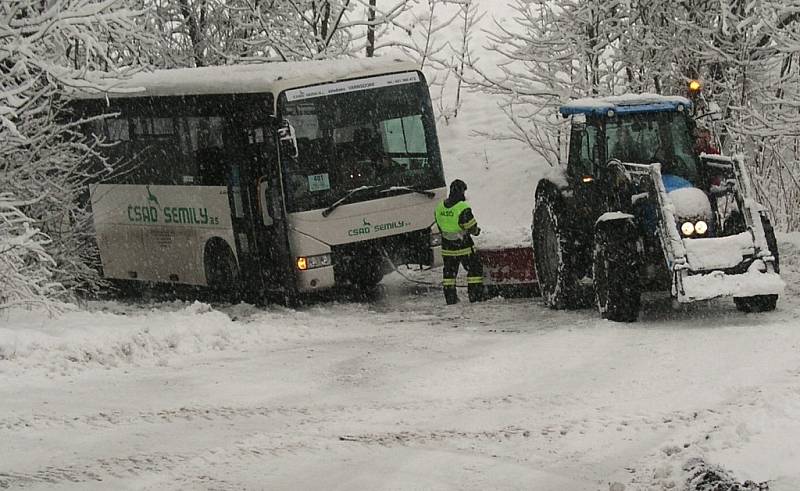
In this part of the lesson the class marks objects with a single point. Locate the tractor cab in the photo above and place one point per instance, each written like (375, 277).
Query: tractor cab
(640, 130)
(644, 130)
(643, 207)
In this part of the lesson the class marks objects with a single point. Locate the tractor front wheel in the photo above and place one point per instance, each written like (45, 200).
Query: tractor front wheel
(762, 303)
(758, 303)
(616, 269)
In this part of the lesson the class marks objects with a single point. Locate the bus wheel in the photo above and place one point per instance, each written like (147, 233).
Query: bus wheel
(222, 272)
(130, 289)
(290, 299)
(368, 278)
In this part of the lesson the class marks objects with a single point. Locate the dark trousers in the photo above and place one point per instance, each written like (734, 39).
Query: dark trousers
(472, 263)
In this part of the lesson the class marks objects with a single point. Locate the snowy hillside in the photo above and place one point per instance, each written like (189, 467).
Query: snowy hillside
(501, 175)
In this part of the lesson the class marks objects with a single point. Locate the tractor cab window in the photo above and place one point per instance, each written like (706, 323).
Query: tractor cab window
(646, 138)
(584, 150)
(623, 145)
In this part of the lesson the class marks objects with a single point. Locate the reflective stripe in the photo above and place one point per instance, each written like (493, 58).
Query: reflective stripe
(454, 236)
(457, 252)
(471, 280)
(449, 282)
(469, 224)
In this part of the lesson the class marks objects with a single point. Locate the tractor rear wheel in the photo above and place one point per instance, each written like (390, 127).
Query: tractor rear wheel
(553, 255)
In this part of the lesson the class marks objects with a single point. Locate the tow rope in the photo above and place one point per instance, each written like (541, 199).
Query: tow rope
(407, 278)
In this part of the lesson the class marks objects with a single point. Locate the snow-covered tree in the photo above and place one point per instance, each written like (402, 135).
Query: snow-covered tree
(468, 18)
(746, 54)
(26, 269)
(218, 32)
(48, 48)
(553, 51)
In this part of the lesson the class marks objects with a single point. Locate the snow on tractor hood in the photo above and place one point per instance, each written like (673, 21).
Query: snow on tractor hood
(690, 203)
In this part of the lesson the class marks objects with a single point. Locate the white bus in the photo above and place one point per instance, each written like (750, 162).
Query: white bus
(278, 178)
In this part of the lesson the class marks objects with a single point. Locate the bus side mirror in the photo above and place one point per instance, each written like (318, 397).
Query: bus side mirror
(288, 139)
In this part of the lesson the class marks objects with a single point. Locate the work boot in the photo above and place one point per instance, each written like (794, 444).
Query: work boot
(450, 296)
(476, 293)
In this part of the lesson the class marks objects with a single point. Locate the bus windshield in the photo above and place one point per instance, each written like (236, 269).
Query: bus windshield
(662, 137)
(379, 137)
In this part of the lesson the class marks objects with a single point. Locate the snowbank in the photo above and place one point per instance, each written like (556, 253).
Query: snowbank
(113, 335)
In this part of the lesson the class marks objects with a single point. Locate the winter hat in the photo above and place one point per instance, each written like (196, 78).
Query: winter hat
(458, 187)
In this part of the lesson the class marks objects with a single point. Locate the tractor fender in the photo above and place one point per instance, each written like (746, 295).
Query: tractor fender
(553, 185)
(553, 188)
(546, 192)
(618, 222)
(555, 179)
(613, 216)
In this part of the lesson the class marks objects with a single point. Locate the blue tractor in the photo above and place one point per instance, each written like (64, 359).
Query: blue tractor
(639, 208)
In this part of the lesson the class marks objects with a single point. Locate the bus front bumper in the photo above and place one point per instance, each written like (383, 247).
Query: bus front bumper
(316, 279)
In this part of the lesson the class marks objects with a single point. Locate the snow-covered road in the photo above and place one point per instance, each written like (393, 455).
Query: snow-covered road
(398, 394)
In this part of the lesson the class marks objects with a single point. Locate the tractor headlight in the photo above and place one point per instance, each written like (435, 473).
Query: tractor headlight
(701, 227)
(312, 262)
(689, 229)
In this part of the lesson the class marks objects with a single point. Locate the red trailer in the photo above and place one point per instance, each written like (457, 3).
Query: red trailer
(509, 271)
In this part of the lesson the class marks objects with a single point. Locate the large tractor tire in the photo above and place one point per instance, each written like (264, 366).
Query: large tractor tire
(553, 255)
(222, 270)
(762, 303)
(616, 265)
(758, 303)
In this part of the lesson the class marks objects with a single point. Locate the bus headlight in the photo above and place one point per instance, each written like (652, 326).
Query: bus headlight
(687, 228)
(436, 239)
(311, 262)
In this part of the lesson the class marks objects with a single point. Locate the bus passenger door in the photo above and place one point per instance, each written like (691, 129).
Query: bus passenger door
(271, 264)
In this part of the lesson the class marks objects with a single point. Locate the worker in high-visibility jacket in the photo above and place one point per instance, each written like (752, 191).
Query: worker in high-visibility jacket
(457, 225)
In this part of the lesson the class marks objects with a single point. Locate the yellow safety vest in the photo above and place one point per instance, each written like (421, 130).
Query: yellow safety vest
(447, 219)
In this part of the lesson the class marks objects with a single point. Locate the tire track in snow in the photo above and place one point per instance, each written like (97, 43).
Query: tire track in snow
(176, 470)
(130, 467)
(106, 419)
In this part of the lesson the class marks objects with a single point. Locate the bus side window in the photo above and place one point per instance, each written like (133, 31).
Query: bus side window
(211, 166)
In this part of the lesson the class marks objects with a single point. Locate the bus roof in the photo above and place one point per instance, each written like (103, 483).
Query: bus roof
(249, 78)
(628, 103)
